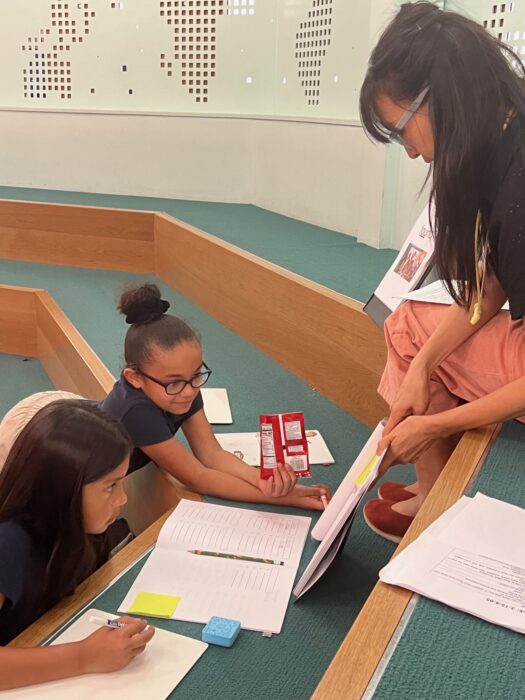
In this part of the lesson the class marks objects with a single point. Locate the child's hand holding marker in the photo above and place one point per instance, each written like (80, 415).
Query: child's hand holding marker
(112, 647)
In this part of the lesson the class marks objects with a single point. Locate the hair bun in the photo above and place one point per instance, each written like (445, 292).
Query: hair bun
(142, 304)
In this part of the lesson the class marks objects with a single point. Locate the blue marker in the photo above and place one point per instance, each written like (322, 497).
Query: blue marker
(105, 622)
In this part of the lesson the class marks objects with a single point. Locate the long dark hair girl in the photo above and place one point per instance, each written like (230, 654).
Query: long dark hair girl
(475, 83)
(66, 445)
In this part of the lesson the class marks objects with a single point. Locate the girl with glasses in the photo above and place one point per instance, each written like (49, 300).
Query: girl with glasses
(60, 489)
(159, 393)
(448, 91)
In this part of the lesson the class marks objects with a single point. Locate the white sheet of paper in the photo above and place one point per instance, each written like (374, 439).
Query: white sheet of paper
(256, 594)
(410, 265)
(247, 447)
(333, 524)
(217, 406)
(435, 293)
(470, 560)
(153, 674)
(348, 492)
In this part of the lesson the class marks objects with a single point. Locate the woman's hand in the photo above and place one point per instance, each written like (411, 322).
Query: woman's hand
(111, 648)
(308, 497)
(279, 484)
(407, 441)
(412, 398)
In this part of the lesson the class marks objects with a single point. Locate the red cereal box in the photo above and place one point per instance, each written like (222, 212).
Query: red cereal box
(272, 453)
(295, 443)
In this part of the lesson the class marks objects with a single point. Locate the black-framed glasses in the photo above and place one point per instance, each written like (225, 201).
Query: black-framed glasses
(395, 133)
(178, 385)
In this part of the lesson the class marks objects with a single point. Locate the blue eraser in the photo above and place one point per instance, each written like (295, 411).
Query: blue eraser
(221, 631)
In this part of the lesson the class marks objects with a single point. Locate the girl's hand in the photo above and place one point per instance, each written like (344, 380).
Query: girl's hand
(407, 441)
(308, 496)
(110, 649)
(412, 399)
(279, 484)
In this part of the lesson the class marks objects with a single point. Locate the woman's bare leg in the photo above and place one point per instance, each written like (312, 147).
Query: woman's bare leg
(428, 468)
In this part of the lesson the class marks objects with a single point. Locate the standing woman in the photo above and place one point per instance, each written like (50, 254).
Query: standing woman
(448, 91)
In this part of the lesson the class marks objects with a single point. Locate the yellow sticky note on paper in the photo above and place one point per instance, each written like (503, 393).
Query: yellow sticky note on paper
(366, 471)
(154, 604)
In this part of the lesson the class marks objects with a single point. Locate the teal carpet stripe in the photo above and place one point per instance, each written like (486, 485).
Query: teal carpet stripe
(445, 654)
(333, 259)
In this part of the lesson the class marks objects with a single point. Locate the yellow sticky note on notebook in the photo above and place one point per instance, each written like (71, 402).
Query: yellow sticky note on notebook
(154, 605)
(366, 471)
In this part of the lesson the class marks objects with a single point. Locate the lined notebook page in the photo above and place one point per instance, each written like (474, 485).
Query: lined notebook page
(254, 593)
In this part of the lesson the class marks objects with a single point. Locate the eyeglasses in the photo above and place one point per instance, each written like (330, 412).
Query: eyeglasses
(178, 385)
(395, 134)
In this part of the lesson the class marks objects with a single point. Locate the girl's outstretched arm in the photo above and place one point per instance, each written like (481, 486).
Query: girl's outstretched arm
(173, 457)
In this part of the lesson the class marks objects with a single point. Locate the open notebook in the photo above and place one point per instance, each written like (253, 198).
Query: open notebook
(334, 524)
(153, 674)
(251, 579)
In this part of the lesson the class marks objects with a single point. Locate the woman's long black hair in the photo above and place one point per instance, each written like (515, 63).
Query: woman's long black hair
(67, 444)
(475, 82)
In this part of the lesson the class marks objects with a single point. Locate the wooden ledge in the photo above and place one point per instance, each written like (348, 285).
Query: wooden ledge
(321, 336)
(353, 666)
(33, 324)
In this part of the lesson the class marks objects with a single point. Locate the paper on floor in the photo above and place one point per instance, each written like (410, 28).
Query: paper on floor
(217, 406)
(247, 447)
(470, 559)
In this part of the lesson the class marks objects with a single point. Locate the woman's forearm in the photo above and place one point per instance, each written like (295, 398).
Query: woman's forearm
(503, 404)
(455, 329)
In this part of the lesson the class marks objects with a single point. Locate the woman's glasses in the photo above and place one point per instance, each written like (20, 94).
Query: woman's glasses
(178, 385)
(395, 133)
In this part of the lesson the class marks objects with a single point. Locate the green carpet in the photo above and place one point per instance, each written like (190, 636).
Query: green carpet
(21, 376)
(445, 654)
(288, 665)
(334, 259)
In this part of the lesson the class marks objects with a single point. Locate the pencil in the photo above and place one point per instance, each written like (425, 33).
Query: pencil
(240, 557)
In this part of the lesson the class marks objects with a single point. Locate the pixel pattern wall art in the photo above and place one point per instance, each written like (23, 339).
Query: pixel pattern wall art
(194, 35)
(312, 40)
(48, 68)
(224, 56)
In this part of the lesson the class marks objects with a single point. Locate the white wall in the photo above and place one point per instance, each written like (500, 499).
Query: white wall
(326, 174)
(319, 170)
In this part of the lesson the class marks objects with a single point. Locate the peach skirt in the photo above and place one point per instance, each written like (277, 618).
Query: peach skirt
(491, 358)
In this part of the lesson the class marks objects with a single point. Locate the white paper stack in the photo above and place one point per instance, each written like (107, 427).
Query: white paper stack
(471, 558)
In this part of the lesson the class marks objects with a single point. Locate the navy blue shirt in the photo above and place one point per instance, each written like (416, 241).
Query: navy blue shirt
(146, 423)
(22, 577)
